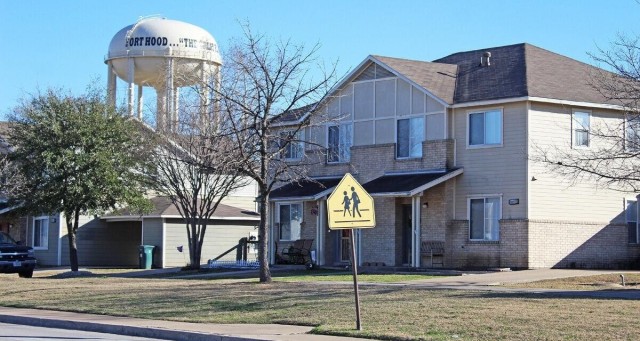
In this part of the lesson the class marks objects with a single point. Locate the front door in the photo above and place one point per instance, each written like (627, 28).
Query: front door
(406, 234)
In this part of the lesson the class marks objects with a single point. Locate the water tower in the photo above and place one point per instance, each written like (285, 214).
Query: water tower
(166, 55)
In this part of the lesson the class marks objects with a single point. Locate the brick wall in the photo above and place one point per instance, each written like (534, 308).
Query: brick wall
(558, 244)
(509, 252)
(379, 244)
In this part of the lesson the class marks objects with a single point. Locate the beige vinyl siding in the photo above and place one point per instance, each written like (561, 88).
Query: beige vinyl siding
(433, 105)
(152, 234)
(363, 135)
(435, 126)
(385, 98)
(220, 236)
(493, 170)
(385, 131)
(363, 100)
(560, 199)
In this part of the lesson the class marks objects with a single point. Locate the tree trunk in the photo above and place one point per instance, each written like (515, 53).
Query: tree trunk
(263, 241)
(73, 245)
(194, 249)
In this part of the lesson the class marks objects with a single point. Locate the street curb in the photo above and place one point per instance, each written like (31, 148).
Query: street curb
(156, 333)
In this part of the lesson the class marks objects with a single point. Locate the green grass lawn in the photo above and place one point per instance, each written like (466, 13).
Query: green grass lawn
(391, 313)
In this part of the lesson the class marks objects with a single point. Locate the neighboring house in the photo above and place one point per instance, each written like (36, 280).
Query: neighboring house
(113, 239)
(445, 148)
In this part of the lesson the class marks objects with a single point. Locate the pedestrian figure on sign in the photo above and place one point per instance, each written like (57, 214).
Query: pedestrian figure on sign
(346, 202)
(356, 201)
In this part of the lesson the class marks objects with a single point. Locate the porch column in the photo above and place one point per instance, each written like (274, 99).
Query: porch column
(415, 231)
(320, 230)
(272, 233)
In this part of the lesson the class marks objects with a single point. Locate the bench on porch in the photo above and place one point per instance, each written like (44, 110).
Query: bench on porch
(431, 249)
(299, 252)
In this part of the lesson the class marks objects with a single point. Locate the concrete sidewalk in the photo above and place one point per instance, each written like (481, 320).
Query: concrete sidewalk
(168, 330)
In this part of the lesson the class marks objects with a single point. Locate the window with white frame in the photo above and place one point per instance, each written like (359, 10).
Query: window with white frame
(484, 218)
(339, 140)
(293, 146)
(485, 128)
(290, 219)
(631, 218)
(632, 132)
(581, 122)
(410, 134)
(40, 233)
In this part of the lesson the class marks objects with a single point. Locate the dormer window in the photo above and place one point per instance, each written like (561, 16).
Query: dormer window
(410, 134)
(293, 144)
(339, 141)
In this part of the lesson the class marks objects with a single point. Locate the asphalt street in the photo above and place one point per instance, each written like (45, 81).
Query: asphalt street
(15, 332)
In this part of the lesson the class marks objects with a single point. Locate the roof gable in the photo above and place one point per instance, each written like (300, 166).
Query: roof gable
(437, 79)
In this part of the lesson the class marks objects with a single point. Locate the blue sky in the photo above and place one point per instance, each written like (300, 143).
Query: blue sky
(62, 43)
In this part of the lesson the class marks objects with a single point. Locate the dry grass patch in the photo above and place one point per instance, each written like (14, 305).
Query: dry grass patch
(388, 313)
(596, 282)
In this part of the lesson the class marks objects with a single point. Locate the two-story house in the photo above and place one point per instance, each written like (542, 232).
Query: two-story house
(447, 150)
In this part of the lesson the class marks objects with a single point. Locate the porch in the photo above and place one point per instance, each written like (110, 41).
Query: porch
(410, 208)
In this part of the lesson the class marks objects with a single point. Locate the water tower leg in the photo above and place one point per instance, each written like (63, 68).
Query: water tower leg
(169, 90)
(161, 108)
(176, 107)
(111, 85)
(140, 102)
(204, 95)
(216, 95)
(130, 93)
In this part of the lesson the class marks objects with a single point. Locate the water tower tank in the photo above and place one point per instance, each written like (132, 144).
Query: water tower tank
(163, 54)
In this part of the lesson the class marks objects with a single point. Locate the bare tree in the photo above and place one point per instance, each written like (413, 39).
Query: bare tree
(614, 146)
(264, 86)
(196, 169)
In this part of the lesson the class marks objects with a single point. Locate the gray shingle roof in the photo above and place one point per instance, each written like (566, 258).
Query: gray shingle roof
(521, 70)
(518, 70)
(163, 207)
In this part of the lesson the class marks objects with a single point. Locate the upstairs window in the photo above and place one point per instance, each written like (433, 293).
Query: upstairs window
(631, 218)
(484, 218)
(410, 135)
(485, 128)
(581, 124)
(40, 233)
(632, 132)
(339, 139)
(293, 144)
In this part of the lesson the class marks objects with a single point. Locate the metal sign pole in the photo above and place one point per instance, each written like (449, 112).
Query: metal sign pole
(354, 266)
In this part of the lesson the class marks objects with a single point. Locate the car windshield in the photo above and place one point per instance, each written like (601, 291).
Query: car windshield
(6, 239)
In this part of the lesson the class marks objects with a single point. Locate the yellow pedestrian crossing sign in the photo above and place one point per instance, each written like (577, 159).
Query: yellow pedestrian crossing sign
(350, 206)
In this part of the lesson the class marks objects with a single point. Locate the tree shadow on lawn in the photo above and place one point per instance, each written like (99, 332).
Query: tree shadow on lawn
(620, 294)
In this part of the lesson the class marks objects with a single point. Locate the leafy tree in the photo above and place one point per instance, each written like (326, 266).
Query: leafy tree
(75, 155)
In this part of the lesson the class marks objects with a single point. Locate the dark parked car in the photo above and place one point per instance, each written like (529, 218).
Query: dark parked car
(15, 258)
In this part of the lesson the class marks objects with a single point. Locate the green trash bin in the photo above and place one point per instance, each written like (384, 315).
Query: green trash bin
(146, 256)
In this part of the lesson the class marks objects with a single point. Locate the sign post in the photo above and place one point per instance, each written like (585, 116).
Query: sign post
(351, 207)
